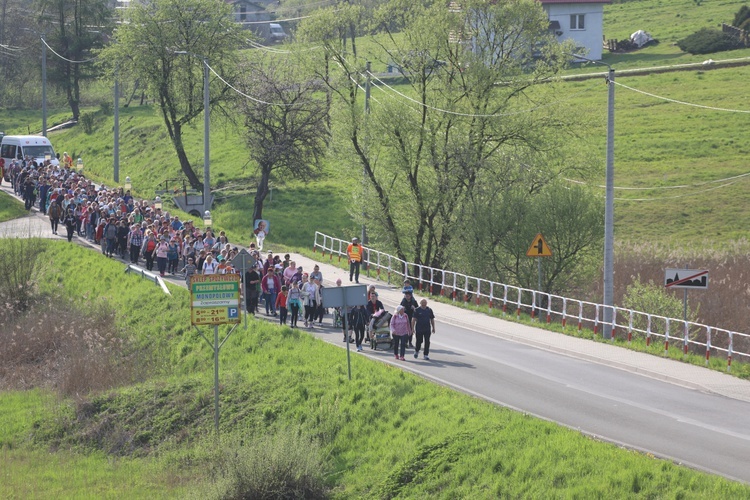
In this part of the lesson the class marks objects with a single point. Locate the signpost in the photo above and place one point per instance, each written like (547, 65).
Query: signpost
(244, 260)
(344, 296)
(215, 300)
(539, 248)
(696, 279)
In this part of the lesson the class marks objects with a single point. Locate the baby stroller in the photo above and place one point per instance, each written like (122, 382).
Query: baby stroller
(379, 331)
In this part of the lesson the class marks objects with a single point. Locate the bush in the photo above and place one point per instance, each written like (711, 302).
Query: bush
(285, 465)
(653, 299)
(708, 41)
(107, 108)
(87, 122)
(742, 16)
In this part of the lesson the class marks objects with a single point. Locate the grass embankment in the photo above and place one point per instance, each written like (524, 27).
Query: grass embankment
(386, 433)
(10, 208)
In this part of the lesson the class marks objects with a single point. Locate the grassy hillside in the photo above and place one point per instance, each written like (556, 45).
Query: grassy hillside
(384, 434)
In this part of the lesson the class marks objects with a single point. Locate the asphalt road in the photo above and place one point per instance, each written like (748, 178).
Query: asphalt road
(704, 431)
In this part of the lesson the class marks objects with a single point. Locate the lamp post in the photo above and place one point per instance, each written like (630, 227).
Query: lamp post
(207, 219)
(157, 203)
(609, 206)
(206, 131)
(128, 186)
(79, 165)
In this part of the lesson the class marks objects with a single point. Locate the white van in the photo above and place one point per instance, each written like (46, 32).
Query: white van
(18, 147)
(276, 32)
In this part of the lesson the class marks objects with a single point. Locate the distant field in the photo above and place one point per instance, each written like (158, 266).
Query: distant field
(658, 145)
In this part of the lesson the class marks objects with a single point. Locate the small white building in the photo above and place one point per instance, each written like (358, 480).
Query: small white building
(579, 20)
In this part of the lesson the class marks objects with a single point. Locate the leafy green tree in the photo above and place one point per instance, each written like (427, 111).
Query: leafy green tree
(285, 124)
(146, 47)
(456, 121)
(498, 235)
(78, 28)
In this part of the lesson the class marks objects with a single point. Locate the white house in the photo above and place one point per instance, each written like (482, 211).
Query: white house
(578, 20)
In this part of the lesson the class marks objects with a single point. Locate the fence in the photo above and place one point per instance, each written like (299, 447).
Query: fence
(694, 337)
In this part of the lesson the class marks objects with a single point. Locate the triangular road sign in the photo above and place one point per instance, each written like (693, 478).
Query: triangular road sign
(539, 248)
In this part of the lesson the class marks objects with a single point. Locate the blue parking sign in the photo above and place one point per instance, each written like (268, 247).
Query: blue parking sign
(233, 312)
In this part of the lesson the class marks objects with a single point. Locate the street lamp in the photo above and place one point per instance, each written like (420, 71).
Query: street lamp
(128, 185)
(206, 131)
(79, 165)
(207, 218)
(609, 206)
(157, 203)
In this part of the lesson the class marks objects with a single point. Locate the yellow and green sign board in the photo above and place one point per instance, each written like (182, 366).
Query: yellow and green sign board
(215, 299)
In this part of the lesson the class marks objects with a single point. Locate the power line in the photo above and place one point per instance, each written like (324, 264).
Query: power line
(246, 96)
(65, 58)
(473, 115)
(682, 102)
(654, 188)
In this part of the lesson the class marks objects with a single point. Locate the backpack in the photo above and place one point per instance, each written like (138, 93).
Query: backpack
(150, 245)
(54, 210)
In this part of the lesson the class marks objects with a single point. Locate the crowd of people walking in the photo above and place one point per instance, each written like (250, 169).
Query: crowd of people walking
(130, 229)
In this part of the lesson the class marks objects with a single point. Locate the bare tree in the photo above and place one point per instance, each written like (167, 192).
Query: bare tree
(285, 124)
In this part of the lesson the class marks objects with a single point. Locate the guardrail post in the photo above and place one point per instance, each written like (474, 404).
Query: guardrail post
(666, 338)
(549, 309)
(648, 331)
(708, 344)
(596, 321)
(454, 287)
(685, 340)
(432, 278)
(614, 324)
(505, 299)
(442, 284)
(580, 316)
(564, 312)
(729, 353)
(630, 327)
(518, 308)
(533, 304)
(492, 294)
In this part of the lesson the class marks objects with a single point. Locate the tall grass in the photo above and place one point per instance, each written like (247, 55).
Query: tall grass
(10, 208)
(386, 433)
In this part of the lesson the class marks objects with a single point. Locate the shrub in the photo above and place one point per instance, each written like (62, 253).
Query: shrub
(741, 16)
(653, 299)
(285, 465)
(708, 41)
(87, 122)
(107, 108)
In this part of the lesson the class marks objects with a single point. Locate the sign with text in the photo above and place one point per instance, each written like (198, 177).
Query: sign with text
(214, 299)
(341, 296)
(697, 279)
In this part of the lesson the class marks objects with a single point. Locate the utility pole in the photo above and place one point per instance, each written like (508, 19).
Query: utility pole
(116, 155)
(609, 205)
(206, 135)
(44, 86)
(368, 81)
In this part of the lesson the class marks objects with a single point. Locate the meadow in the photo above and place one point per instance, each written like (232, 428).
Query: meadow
(384, 434)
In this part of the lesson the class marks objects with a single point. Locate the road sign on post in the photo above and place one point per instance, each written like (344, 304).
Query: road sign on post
(539, 247)
(343, 297)
(214, 299)
(244, 261)
(695, 279)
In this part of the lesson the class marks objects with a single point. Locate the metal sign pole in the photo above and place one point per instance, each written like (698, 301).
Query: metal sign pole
(244, 280)
(346, 336)
(216, 379)
(539, 283)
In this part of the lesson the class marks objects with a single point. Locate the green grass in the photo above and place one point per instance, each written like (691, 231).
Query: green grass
(386, 433)
(10, 208)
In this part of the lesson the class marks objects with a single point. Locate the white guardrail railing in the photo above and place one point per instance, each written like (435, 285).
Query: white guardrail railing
(695, 337)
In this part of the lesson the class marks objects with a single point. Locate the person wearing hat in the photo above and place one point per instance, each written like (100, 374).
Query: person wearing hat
(409, 305)
(355, 252)
(373, 306)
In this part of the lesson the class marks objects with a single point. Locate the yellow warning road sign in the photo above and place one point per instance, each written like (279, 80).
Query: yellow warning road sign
(539, 248)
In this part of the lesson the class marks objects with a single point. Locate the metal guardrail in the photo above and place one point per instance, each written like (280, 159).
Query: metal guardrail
(625, 322)
(149, 276)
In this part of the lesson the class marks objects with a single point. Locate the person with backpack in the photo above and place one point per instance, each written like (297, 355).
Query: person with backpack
(110, 234)
(358, 319)
(162, 248)
(70, 222)
(423, 323)
(55, 213)
(173, 255)
(149, 249)
(135, 241)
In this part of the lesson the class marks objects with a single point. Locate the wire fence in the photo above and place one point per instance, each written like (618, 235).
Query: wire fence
(626, 323)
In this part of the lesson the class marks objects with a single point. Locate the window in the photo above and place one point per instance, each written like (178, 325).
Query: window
(243, 12)
(576, 22)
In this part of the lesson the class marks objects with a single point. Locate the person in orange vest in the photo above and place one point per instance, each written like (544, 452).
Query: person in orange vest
(355, 252)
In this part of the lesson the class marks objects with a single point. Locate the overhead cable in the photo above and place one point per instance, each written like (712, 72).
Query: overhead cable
(65, 58)
(713, 108)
